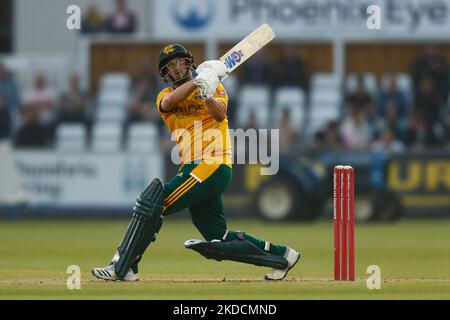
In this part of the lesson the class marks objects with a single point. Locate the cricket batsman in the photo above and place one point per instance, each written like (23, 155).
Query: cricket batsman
(194, 109)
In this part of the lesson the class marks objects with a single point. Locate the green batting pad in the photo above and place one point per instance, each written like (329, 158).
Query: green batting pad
(145, 223)
(237, 250)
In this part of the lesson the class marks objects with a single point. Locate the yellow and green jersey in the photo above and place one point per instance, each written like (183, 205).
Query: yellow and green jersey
(190, 123)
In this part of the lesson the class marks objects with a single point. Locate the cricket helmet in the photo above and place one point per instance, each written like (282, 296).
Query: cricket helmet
(174, 51)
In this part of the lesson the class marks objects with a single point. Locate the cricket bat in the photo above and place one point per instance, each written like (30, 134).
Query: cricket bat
(247, 47)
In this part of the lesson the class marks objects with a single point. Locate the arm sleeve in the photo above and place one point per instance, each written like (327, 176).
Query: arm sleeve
(161, 95)
(221, 95)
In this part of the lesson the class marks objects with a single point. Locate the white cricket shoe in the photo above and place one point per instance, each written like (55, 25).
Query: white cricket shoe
(108, 273)
(292, 257)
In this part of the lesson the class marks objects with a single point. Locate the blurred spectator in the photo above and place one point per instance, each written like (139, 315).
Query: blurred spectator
(328, 139)
(122, 20)
(332, 136)
(252, 122)
(361, 99)
(74, 104)
(318, 142)
(32, 134)
(42, 97)
(355, 130)
(289, 135)
(446, 122)
(141, 105)
(146, 86)
(231, 85)
(251, 125)
(146, 71)
(392, 96)
(432, 65)
(257, 70)
(5, 119)
(391, 119)
(427, 102)
(418, 134)
(94, 22)
(166, 143)
(9, 89)
(388, 143)
(290, 70)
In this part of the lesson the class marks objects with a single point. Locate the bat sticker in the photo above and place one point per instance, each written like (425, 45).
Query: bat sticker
(234, 58)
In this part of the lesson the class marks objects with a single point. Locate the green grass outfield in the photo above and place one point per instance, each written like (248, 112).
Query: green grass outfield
(414, 257)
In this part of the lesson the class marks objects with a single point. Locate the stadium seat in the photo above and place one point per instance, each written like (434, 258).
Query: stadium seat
(143, 138)
(253, 99)
(351, 81)
(369, 79)
(111, 114)
(16, 62)
(326, 80)
(71, 138)
(231, 85)
(108, 96)
(325, 106)
(20, 66)
(106, 137)
(292, 98)
(320, 115)
(325, 96)
(371, 83)
(404, 82)
(56, 68)
(120, 81)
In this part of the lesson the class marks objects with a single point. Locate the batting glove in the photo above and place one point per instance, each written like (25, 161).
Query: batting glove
(215, 66)
(208, 82)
